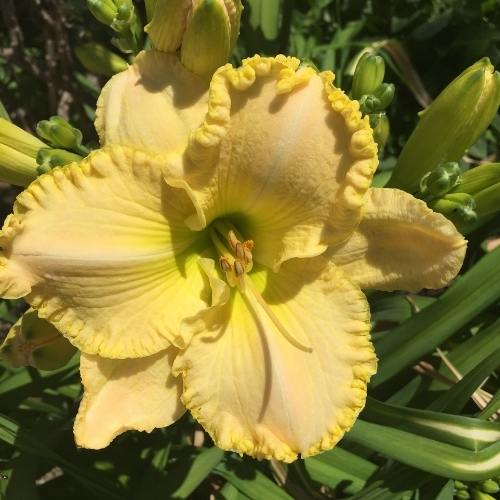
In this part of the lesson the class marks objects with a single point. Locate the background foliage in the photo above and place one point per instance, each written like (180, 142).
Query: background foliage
(430, 417)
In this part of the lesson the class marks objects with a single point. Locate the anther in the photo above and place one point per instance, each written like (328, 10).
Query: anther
(239, 270)
(240, 251)
(233, 240)
(224, 265)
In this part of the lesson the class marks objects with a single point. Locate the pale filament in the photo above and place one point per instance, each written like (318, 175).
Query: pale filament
(236, 267)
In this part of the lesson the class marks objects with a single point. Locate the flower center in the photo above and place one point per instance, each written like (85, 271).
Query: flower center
(236, 260)
(235, 253)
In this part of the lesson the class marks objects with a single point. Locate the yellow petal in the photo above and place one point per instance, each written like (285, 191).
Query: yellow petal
(401, 244)
(154, 104)
(126, 394)
(101, 249)
(254, 391)
(284, 150)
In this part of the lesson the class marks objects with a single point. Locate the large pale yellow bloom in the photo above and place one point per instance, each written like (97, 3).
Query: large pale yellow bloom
(213, 251)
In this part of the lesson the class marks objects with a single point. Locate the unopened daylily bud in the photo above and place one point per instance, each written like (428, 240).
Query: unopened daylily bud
(450, 125)
(379, 100)
(368, 76)
(49, 158)
(439, 181)
(103, 10)
(16, 138)
(205, 31)
(381, 129)
(488, 201)
(59, 133)
(458, 485)
(18, 150)
(98, 59)
(462, 495)
(33, 341)
(490, 486)
(478, 178)
(460, 208)
(480, 495)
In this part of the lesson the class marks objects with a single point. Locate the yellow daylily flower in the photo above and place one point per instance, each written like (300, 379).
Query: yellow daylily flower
(214, 250)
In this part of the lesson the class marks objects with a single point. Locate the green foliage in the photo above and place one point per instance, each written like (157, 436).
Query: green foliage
(424, 433)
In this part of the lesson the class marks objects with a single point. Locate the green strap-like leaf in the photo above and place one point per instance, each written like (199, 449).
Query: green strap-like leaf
(471, 294)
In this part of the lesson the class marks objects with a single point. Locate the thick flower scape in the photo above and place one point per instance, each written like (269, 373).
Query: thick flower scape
(211, 255)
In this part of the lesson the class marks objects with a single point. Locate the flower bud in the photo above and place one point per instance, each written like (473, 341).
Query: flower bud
(490, 486)
(478, 178)
(439, 181)
(381, 129)
(59, 133)
(103, 10)
(479, 495)
(99, 60)
(450, 125)
(462, 495)
(49, 158)
(379, 100)
(369, 75)
(18, 150)
(205, 31)
(33, 341)
(16, 138)
(460, 208)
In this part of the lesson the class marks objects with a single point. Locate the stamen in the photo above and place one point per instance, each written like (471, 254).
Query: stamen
(233, 240)
(224, 265)
(277, 323)
(239, 251)
(239, 270)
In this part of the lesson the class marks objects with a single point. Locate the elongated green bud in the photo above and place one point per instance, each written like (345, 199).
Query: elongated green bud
(49, 158)
(381, 129)
(368, 76)
(478, 178)
(488, 200)
(450, 125)
(16, 168)
(99, 60)
(103, 10)
(479, 495)
(205, 31)
(16, 138)
(439, 181)
(18, 150)
(490, 486)
(458, 485)
(33, 341)
(462, 495)
(460, 208)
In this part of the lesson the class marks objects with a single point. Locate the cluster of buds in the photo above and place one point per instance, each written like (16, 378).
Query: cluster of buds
(99, 60)
(463, 197)
(33, 341)
(450, 125)
(373, 94)
(122, 17)
(483, 490)
(203, 31)
(66, 142)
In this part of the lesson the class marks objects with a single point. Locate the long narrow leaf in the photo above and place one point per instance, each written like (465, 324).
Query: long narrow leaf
(428, 454)
(471, 294)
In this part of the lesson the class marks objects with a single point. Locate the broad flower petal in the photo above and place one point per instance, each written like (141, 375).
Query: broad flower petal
(102, 252)
(284, 149)
(126, 394)
(401, 244)
(152, 105)
(254, 390)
